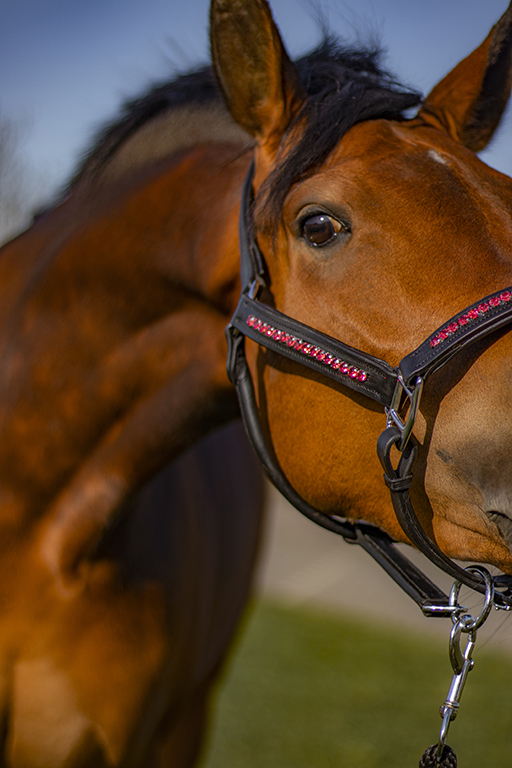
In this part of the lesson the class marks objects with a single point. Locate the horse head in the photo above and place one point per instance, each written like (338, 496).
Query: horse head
(376, 227)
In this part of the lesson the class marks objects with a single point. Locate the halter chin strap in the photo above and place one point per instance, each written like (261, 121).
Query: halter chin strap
(397, 389)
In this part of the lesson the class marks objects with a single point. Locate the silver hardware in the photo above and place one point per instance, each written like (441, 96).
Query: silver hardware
(413, 394)
(450, 708)
(462, 660)
(256, 284)
(444, 611)
(488, 600)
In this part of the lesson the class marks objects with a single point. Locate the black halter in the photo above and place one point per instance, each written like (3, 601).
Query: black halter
(388, 386)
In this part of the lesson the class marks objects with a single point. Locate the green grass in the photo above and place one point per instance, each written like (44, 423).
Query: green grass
(313, 690)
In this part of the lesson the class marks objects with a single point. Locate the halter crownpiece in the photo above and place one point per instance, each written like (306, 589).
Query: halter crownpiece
(389, 386)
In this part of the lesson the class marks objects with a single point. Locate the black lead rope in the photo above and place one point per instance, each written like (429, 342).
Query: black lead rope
(397, 390)
(430, 760)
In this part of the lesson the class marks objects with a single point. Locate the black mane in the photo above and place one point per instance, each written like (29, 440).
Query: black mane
(344, 86)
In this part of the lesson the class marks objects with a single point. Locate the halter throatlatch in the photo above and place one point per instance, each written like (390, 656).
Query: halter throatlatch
(397, 389)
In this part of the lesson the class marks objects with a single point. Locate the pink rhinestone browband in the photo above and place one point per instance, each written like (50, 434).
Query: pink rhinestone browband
(307, 349)
(468, 317)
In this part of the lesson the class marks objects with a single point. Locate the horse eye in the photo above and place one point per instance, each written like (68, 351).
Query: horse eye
(320, 229)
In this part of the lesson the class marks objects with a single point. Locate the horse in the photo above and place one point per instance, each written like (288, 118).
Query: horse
(124, 573)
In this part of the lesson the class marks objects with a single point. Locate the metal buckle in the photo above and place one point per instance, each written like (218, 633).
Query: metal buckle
(431, 610)
(256, 284)
(413, 394)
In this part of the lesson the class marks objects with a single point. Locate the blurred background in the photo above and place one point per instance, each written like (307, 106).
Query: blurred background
(336, 667)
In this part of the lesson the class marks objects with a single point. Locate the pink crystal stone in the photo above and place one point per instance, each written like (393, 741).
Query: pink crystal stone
(452, 327)
(473, 313)
(495, 301)
(483, 308)
(506, 296)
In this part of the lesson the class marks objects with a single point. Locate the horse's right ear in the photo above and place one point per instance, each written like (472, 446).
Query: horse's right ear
(260, 84)
(469, 102)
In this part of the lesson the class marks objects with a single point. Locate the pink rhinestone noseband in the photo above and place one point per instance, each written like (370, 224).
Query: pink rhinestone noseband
(468, 317)
(307, 349)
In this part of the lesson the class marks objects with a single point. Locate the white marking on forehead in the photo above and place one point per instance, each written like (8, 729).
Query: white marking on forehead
(437, 157)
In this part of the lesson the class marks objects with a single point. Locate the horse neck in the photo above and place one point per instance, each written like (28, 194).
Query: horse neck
(112, 260)
(176, 222)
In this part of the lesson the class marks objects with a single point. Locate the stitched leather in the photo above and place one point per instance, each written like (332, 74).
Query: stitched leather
(425, 360)
(382, 378)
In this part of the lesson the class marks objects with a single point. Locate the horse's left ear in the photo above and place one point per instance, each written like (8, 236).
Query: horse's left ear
(259, 83)
(469, 101)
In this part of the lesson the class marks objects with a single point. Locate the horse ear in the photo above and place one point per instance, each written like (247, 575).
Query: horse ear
(469, 101)
(260, 84)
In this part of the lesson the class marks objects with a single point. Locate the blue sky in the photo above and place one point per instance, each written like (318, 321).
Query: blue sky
(65, 65)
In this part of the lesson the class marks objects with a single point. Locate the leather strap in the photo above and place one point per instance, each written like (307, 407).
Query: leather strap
(379, 545)
(252, 263)
(476, 321)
